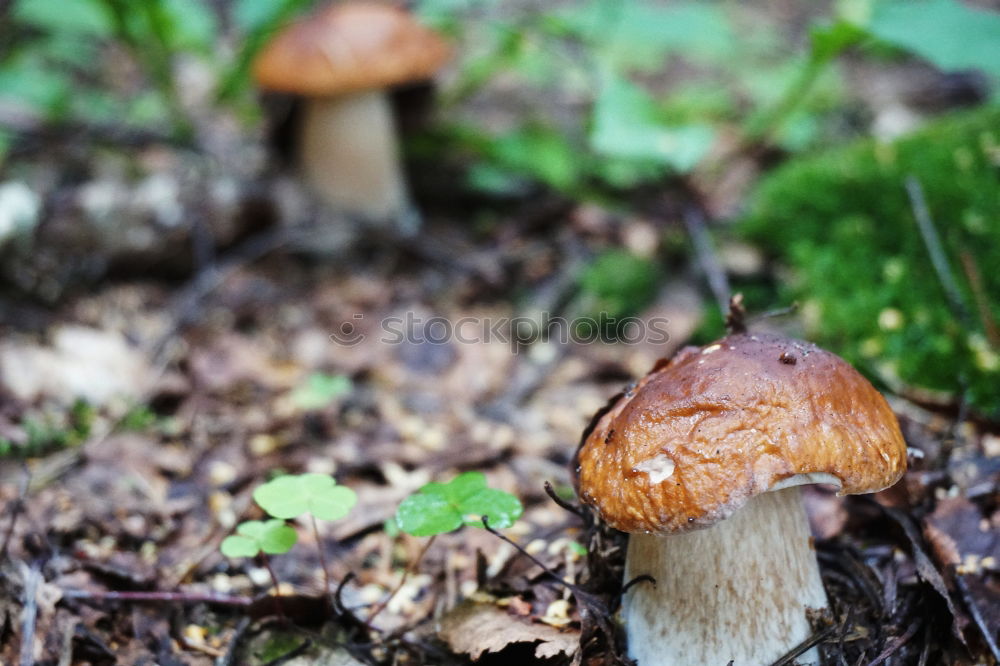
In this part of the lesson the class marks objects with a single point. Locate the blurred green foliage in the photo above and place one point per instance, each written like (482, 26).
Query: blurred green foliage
(115, 61)
(614, 65)
(50, 431)
(616, 284)
(948, 33)
(843, 221)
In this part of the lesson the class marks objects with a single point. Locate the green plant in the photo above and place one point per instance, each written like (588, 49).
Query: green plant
(842, 220)
(46, 432)
(614, 285)
(315, 494)
(253, 537)
(640, 122)
(950, 34)
(287, 497)
(319, 390)
(138, 418)
(444, 507)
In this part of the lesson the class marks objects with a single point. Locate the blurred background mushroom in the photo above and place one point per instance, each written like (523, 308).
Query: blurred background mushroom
(342, 60)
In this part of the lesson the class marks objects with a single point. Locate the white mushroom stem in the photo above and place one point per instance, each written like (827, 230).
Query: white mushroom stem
(738, 590)
(350, 156)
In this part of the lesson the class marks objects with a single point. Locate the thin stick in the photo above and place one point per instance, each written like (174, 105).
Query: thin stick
(804, 646)
(975, 277)
(232, 651)
(16, 507)
(159, 597)
(694, 221)
(402, 581)
(29, 615)
(932, 241)
(322, 560)
(977, 616)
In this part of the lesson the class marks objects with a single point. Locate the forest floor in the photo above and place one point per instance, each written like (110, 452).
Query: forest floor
(203, 379)
(142, 504)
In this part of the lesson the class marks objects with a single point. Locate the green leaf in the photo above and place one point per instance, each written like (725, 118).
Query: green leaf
(81, 17)
(192, 24)
(463, 486)
(273, 537)
(317, 494)
(617, 284)
(625, 125)
(445, 14)
(32, 82)
(540, 152)
(829, 39)
(277, 538)
(427, 514)
(442, 507)
(948, 33)
(501, 509)
(639, 35)
(319, 390)
(239, 546)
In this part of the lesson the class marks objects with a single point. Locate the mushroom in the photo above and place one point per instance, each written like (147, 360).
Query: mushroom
(343, 59)
(701, 463)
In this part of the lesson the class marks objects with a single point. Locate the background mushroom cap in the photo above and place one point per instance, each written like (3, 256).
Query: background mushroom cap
(714, 426)
(348, 47)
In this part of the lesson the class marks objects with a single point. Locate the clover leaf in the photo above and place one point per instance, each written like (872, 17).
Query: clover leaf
(442, 507)
(316, 494)
(272, 537)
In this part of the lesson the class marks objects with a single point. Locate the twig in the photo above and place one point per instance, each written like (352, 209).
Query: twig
(777, 312)
(644, 578)
(29, 615)
(975, 278)
(932, 241)
(977, 616)
(338, 595)
(590, 605)
(807, 644)
(694, 220)
(563, 504)
(232, 651)
(736, 316)
(16, 507)
(546, 570)
(899, 642)
(402, 581)
(159, 597)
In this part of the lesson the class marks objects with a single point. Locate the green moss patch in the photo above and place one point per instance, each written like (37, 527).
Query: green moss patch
(842, 221)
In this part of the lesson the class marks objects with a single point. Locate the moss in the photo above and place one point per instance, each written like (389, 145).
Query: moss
(842, 221)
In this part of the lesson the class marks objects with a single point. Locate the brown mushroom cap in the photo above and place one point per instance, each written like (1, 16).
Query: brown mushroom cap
(714, 426)
(349, 47)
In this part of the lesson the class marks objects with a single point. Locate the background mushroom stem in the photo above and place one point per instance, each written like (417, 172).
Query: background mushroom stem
(738, 590)
(350, 156)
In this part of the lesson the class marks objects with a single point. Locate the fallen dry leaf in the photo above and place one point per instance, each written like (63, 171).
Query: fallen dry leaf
(961, 536)
(477, 628)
